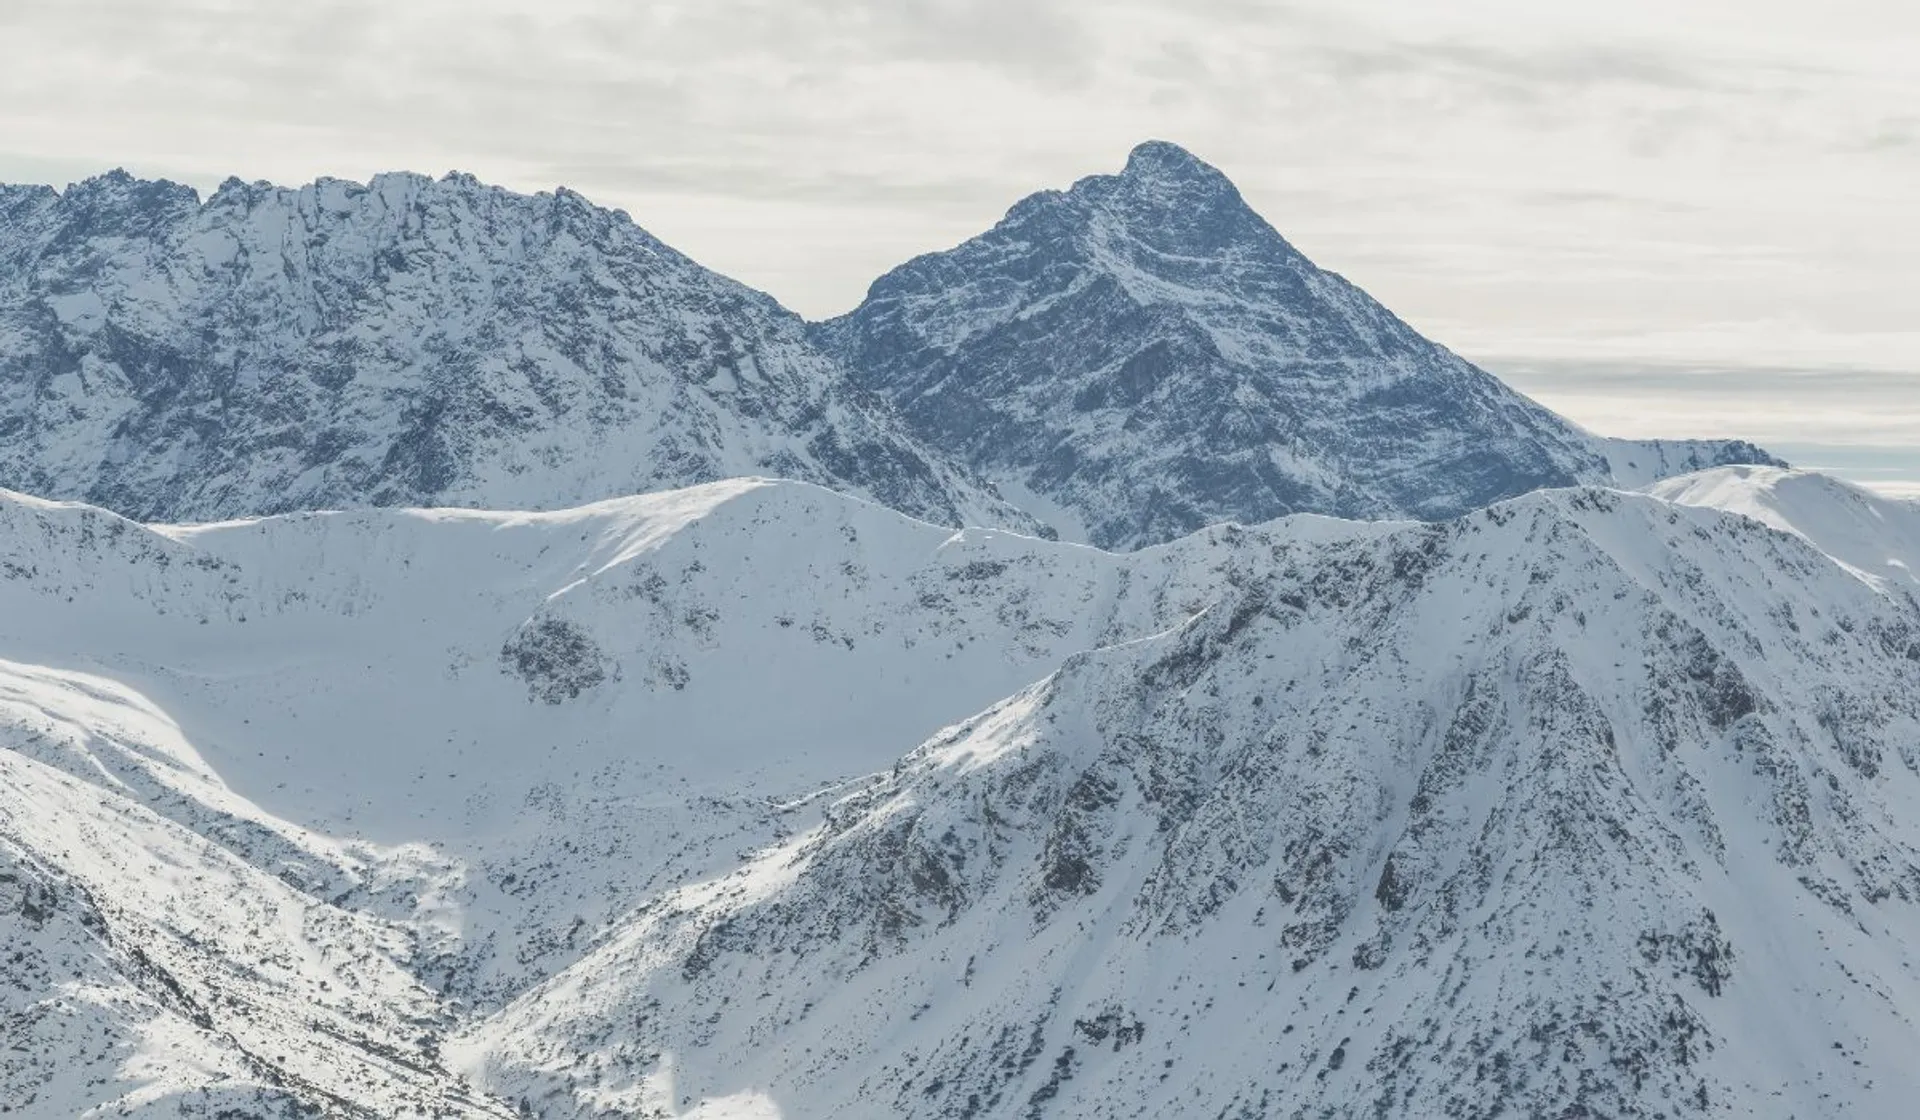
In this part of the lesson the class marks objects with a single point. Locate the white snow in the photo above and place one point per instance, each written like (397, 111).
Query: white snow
(617, 808)
(1582, 735)
(1877, 536)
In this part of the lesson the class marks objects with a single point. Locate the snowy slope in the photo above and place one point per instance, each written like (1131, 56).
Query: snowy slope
(363, 677)
(158, 968)
(470, 740)
(1875, 536)
(434, 676)
(1589, 804)
(607, 809)
(1145, 355)
(405, 341)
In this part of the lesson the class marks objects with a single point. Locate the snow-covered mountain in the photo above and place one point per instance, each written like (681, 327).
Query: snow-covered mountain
(1591, 799)
(1130, 359)
(443, 750)
(1876, 537)
(406, 342)
(1589, 804)
(757, 798)
(1142, 355)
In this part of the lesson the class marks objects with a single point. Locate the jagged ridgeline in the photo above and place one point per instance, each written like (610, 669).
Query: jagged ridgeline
(1145, 355)
(1127, 360)
(406, 342)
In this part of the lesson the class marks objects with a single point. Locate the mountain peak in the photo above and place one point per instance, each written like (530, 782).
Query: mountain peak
(1164, 169)
(1149, 355)
(117, 203)
(1165, 159)
(120, 182)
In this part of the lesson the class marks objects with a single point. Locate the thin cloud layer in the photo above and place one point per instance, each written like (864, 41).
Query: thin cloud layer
(1862, 424)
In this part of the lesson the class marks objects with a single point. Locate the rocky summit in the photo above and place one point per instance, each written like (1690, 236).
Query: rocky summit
(1142, 354)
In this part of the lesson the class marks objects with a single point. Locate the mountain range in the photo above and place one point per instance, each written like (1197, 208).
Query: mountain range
(1158, 683)
(1126, 362)
(1590, 800)
(406, 342)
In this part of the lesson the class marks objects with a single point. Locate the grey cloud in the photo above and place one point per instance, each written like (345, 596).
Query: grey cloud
(1523, 74)
(1044, 41)
(1560, 198)
(1761, 380)
(1655, 97)
(1900, 133)
(343, 55)
(1350, 48)
(1580, 66)
(1869, 411)
(787, 184)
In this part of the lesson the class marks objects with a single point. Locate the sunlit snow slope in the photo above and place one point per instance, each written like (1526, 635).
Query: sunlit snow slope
(1589, 804)
(1875, 536)
(461, 742)
(1592, 800)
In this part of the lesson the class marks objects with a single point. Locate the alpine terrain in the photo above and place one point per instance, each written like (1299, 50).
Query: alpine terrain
(1142, 355)
(419, 697)
(1590, 800)
(405, 342)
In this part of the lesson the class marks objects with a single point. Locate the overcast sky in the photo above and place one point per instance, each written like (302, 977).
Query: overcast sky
(1661, 216)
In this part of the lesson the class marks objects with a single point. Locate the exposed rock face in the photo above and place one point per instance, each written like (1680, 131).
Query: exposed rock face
(406, 342)
(1145, 353)
(556, 657)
